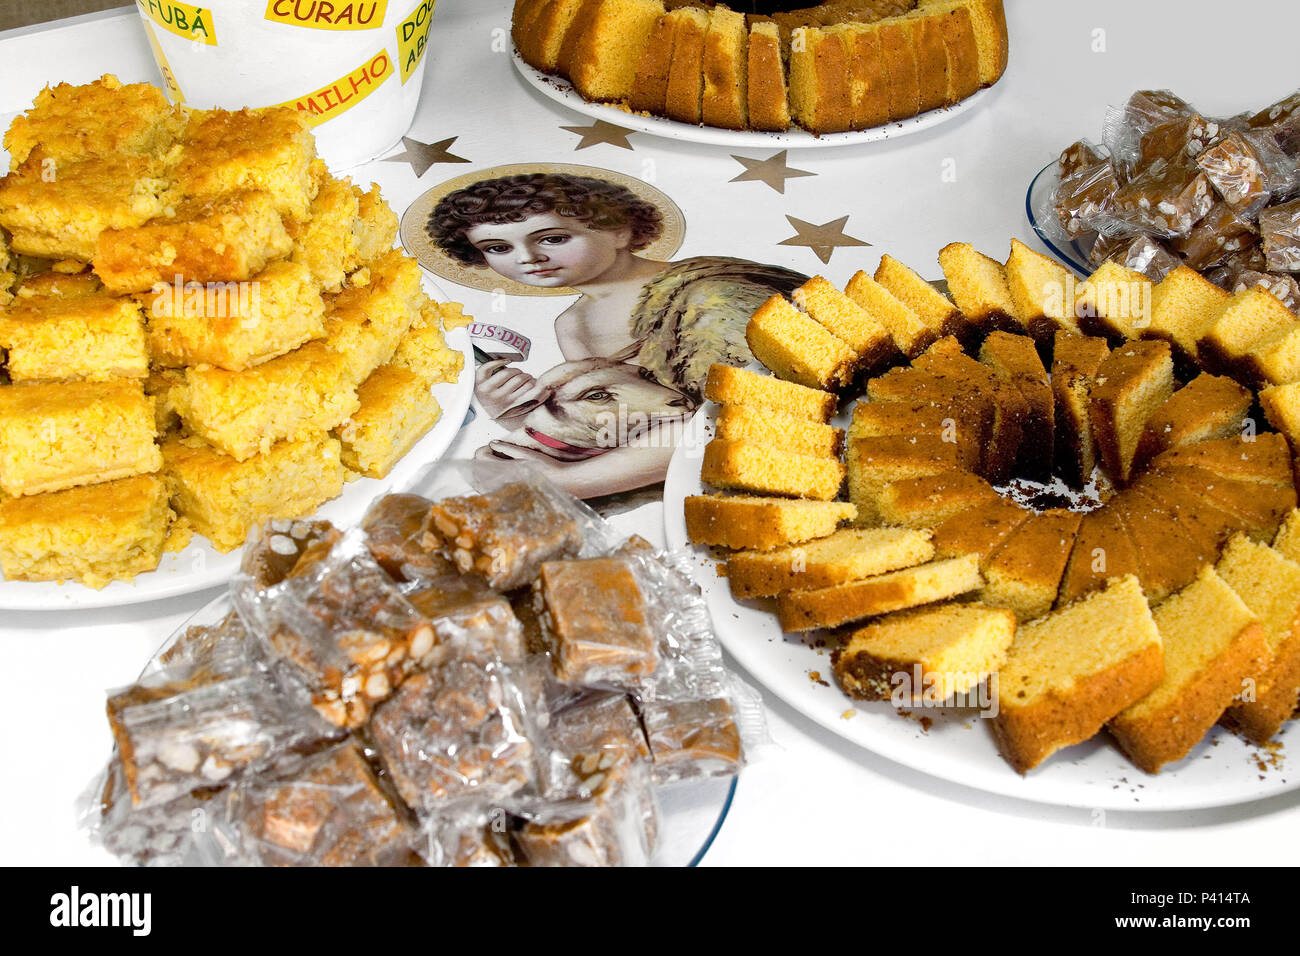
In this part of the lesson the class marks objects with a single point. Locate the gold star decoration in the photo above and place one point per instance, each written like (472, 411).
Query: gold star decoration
(423, 155)
(774, 170)
(823, 239)
(600, 132)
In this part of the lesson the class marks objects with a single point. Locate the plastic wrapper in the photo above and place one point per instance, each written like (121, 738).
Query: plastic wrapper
(1155, 125)
(469, 620)
(1084, 195)
(340, 626)
(1279, 226)
(474, 839)
(1163, 199)
(1283, 286)
(1144, 254)
(394, 527)
(1277, 116)
(456, 732)
(588, 739)
(1249, 169)
(274, 549)
(1216, 238)
(617, 825)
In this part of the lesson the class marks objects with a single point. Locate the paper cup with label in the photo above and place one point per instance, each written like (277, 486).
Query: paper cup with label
(354, 67)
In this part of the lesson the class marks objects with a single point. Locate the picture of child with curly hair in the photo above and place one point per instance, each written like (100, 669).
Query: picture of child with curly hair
(637, 343)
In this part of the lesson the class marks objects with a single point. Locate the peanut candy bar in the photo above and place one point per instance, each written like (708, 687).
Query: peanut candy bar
(330, 812)
(596, 621)
(504, 535)
(394, 526)
(212, 652)
(1216, 238)
(1280, 227)
(1165, 199)
(454, 731)
(1084, 197)
(1283, 287)
(693, 738)
(618, 827)
(275, 548)
(1236, 167)
(470, 621)
(595, 735)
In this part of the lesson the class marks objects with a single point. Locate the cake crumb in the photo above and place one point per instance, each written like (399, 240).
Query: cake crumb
(816, 678)
(848, 714)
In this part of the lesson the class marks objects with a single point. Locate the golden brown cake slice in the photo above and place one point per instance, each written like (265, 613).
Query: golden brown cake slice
(759, 468)
(979, 288)
(961, 48)
(1189, 508)
(729, 385)
(1168, 558)
(820, 100)
(1183, 307)
(1287, 542)
(929, 655)
(1024, 573)
(1269, 585)
(768, 101)
(928, 501)
(910, 587)
(1069, 673)
(1015, 360)
(1244, 320)
(1102, 550)
(868, 85)
(1131, 384)
(548, 30)
(1262, 458)
(1281, 404)
(1115, 302)
(911, 334)
(964, 427)
(934, 308)
(752, 522)
(1275, 359)
(846, 320)
(901, 74)
(396, 411)
(1212, 642)
(798, 349)
(649, 93)
(1207, 408)
(686, 76)
(726, 72)
(848, 555)
(990, 25)
(787, 432)
(1039, 288)
(872, 463)
(1076, 360)
(980, 530)
(605, 58)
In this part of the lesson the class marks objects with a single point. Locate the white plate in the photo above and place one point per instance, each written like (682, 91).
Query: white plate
(199, 566)
(1220, 771)
(560, 90)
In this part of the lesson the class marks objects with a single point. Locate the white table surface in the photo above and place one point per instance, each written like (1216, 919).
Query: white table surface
(811, 798)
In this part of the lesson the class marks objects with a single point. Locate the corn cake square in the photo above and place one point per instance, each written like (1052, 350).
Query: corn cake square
(163, 385)
(235, 325)
(224, 498)
(365, 322)
(214, 239)
(72, 122)
(424, 350)
(60, 284)
(55, 436)
(375, 228)
(326, 243)
(396, 411)
(310, 390)
(58, 210)
(271, 149)
(90, 338)
(99, 533)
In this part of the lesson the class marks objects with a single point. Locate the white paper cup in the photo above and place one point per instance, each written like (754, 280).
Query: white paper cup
(355, 68)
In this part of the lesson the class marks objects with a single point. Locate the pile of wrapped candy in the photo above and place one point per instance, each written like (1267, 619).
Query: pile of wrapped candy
(479, 674)
(1171, 186)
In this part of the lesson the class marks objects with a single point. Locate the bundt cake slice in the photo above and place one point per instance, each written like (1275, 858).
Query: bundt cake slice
(979, 530)
(872, 463)
(729, 385)
(935, 309)
(961, 49)
(1275, 360)
(540, 37)
(1192, 512)
(759, 523)
(1287, 542)
(1115, 302)
(1015, 360)
(1212, 643)
(1206, 408)
(1281, 404)
(910, 587)
(768, 98)
(989, 21)
(910, 333)
(1269, 585)
(929, 501)
(1131, 384)
(901, 75)
(929, 655)
(787, 432)
(578, 22)
(724, 99)
(848, 555)
(820, 100)
(798, 349)
(1076, 360)
(868, 85)
(605, 58)
(682, 98)
(1067, 674)
(649, 92)
(1102, 550)
(1259, 507)
(1263, 458)
(1183, 307)
(931, 61)
(964, 425)
(1245, 319)
(741, 466)
(979, 288)
(1168, 557)
(1025, 571)
(1040, 288)
(847, 321)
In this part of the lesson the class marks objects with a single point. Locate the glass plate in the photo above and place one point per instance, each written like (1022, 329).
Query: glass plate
(1042, 217)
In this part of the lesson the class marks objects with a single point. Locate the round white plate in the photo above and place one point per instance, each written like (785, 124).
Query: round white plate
(199, 566)
(560, 90)
(957, 746)
(1042, 218)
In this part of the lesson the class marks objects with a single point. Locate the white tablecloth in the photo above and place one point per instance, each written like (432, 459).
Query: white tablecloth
(811, 798)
